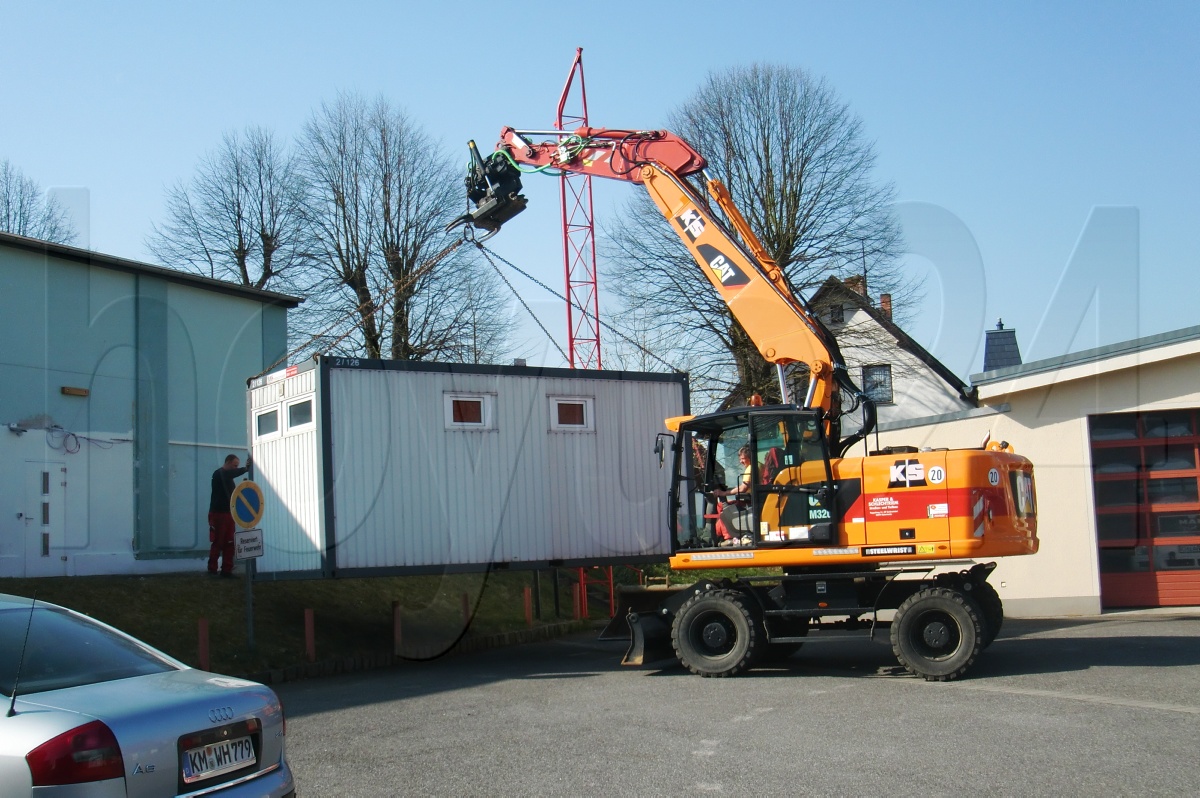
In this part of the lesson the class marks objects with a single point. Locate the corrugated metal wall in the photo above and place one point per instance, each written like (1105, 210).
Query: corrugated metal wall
(409, 492)
(287, 468)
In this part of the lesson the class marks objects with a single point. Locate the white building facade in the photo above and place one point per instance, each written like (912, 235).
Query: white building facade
(1114, 436)
(122, 387)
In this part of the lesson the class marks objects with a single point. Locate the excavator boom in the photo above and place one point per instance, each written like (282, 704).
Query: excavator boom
(784, 329)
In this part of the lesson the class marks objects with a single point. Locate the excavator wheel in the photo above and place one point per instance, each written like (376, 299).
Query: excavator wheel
(938, 633)
(717, 633)
(992, 608)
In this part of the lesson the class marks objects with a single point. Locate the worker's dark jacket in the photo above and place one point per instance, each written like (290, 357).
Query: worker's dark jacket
(222, 488)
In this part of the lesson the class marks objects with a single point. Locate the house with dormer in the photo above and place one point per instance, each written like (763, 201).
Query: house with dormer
(903, 378)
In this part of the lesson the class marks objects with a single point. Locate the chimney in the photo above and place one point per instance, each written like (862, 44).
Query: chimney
(1000, 348)
(885, 305)
(857, 283)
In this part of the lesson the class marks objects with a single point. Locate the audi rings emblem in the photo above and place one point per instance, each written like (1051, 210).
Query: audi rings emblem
(220, 713)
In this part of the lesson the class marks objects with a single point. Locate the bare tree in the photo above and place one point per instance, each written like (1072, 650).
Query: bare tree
(380, 193)
(799, 167)
(26, 211)
(239, 218)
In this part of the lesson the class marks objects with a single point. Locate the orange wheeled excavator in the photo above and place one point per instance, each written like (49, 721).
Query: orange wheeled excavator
(861, 543)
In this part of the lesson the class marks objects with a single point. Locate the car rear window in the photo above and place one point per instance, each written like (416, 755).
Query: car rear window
(65, 650)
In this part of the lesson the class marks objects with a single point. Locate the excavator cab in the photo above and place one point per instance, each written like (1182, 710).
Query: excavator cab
(789, 499)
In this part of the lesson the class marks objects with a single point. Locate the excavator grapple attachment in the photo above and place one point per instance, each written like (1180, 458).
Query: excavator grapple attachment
(494, 186)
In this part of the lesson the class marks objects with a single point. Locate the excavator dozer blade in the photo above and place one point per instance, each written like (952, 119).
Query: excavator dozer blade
(649, 639)
(638, 619)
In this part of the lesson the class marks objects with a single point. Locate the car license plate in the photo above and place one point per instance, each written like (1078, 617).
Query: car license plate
(217, 758)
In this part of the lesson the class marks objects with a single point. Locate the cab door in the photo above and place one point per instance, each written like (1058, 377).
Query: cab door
(792, 489)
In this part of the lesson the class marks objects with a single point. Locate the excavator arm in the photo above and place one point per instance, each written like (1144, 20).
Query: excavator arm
(780, 323)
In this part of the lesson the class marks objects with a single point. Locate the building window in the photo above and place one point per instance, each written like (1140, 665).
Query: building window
(469, 411)
(571, 414)
(877, 383)
(837, 314)
(300, 413)
(266, 423)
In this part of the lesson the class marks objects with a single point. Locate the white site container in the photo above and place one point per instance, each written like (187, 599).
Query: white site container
(374, 467)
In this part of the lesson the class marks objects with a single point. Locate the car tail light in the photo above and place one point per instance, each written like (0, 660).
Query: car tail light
(85, 753)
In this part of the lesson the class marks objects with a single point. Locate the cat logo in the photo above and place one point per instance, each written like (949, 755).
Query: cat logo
(907, 474)
(726, 270)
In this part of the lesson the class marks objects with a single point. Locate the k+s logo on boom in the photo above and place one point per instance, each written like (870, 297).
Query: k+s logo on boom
(692, 223)
(907, 474)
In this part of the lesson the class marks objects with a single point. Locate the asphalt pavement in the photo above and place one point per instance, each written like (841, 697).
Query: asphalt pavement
(1097, 706)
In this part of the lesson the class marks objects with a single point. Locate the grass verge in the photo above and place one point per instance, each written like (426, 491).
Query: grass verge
(351, 617)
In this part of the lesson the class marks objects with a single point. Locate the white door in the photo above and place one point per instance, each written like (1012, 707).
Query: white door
(45, 518)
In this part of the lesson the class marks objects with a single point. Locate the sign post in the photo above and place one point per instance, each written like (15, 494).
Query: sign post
(246, 505)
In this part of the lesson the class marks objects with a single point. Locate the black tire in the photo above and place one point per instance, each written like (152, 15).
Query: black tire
(717, 633)
(992, 608)
(938, 633)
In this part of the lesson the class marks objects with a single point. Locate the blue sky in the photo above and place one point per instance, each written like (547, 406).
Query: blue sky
(1004, 127)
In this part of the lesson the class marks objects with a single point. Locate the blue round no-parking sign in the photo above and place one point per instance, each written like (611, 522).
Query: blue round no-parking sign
(246, 504)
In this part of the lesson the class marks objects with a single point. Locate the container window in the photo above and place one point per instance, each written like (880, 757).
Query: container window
(300, 413)
(571, 414)
(469, 411)
(266, 423)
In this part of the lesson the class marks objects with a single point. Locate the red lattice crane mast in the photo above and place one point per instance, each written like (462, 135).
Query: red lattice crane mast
(579, 240)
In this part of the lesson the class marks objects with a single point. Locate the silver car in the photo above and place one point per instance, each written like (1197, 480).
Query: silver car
(88, 711)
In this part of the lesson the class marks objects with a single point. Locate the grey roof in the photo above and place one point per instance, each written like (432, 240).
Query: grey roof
(835, 289)
(1089, 355)
(1000, 350)
(89, 258)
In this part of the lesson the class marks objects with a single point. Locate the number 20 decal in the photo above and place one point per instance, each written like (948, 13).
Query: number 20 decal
(936, 475)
